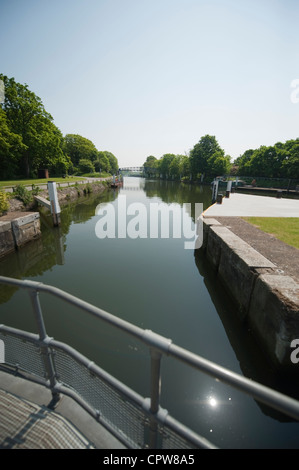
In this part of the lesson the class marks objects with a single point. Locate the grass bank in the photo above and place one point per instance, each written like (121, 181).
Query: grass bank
(37, 181)
(285, 229)
(29, 182)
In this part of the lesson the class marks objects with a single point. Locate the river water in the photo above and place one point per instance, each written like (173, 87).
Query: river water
(157, 284)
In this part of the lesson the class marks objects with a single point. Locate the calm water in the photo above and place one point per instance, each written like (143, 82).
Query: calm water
(158, 285)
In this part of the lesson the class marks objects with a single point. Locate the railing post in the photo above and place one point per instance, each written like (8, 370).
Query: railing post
(46, 352)
(155, 395)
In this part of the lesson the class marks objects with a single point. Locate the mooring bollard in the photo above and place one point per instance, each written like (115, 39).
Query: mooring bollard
(219, 198)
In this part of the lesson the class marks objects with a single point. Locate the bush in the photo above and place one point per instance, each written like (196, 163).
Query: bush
(23, 194)
(77, 186)
(87, 189)
(3, 202)
(35, 190)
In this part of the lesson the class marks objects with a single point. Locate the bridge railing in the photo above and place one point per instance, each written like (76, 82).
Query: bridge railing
(138, 422)
(138, 169)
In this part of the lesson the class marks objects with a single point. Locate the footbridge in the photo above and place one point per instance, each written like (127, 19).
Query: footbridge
(132, 170)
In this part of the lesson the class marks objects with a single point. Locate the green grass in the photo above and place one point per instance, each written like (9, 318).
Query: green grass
(28, 182)
(285, 229)
(96, 175)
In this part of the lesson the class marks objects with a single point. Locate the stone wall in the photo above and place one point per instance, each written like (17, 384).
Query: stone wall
(17, 229)
(266, 300)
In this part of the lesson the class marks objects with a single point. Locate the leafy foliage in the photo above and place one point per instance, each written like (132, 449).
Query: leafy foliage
(113, 162)
(87, 189)
(151, 166)
(29, 139)
(23, 194)
(102, 163)
(39, 142)
(278, 161)
(11, 149)
(207, 158)
(79, 148)
(85, 166)
(3, 202)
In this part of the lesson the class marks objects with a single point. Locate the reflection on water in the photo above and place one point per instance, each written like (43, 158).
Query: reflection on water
(158, 285)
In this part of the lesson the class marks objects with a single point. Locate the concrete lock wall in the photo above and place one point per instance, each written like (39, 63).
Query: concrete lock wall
(7, 244)
(18, 231)
(268, 301)
(274, 315)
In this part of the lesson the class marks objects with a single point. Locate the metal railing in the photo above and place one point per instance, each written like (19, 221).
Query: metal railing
(136, 421)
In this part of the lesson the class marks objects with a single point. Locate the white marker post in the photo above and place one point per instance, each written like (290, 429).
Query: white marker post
(215, 191)
(55, 207)
(229, 188)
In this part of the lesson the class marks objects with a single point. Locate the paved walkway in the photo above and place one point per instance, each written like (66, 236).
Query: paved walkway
(283, 256)
(247, 205)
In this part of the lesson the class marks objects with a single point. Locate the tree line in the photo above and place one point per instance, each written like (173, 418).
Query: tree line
(207, 159)
(29, 140)
(280, 160)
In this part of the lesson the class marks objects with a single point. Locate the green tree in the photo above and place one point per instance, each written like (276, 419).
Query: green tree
(174, 167)
(242, 162)
(102, 163)
(202, 156)
(151, 166)
(27, 117)
(112, 161)
(164, 164)
(219, 164)
(291, 161)
(185, 166)
(86, 166)
(78, 148)
(265, 161)
(179, 166)
(11, 149)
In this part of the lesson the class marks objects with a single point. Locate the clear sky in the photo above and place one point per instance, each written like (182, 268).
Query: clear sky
(149, 77)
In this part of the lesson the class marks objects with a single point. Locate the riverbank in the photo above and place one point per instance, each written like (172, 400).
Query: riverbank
(261, 275)
(65, 194)
(21, 222)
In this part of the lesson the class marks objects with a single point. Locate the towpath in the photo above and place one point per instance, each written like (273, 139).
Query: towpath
(231, 211)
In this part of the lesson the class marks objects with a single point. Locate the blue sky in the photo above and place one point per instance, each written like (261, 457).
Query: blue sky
(149, 77)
